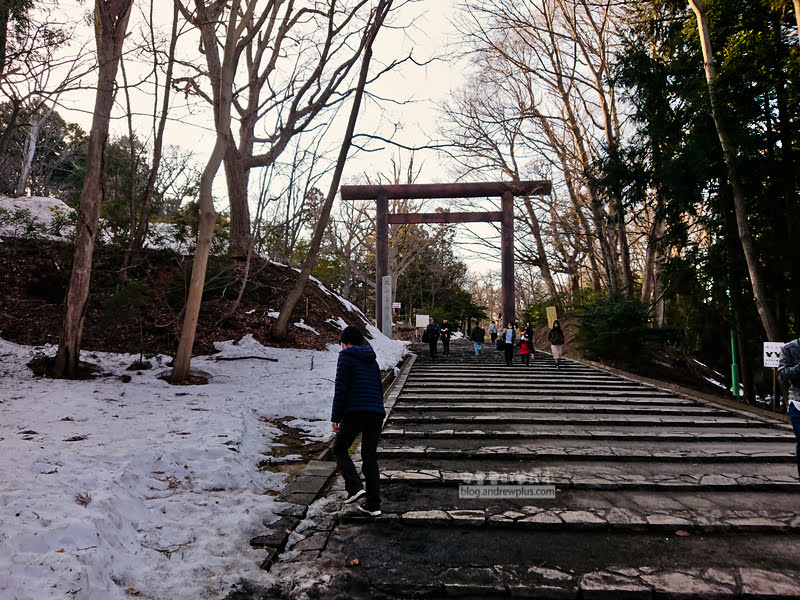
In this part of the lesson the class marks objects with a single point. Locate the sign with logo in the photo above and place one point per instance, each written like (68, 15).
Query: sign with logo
(396, 305)
(772, 353)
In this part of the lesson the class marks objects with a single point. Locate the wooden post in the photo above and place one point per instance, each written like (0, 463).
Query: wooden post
(507, 256)
(381, 252)
(775, 405)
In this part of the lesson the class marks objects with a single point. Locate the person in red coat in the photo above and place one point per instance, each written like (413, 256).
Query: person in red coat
(525, 350)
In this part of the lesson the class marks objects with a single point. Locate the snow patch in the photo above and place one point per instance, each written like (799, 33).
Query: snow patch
(159, 490)
(302, 325)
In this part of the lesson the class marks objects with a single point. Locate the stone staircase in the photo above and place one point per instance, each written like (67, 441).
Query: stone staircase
(656, 494)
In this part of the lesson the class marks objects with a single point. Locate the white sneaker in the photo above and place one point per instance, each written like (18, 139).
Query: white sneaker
(353, 497)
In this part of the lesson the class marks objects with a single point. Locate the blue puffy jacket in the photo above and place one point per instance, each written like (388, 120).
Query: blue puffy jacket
(358, 383)
(789, 369)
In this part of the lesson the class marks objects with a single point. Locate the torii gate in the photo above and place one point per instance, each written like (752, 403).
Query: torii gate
(383, 193)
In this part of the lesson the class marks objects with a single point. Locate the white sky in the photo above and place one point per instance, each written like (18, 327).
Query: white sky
(431, 35)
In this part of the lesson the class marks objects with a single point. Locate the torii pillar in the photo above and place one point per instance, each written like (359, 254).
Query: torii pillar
(505, 190)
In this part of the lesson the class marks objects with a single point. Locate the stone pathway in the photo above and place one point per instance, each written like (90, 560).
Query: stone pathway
(657, 495)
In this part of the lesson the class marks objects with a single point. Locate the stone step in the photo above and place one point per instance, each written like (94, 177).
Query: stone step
(563, 563)
(400, 420)
(651, 453)
(619, 475)
(469, 375)
(504, 397)
(531, 517)
(534, 392)
(578, 432)
(551, 407)
(688, 505)
(504, 374)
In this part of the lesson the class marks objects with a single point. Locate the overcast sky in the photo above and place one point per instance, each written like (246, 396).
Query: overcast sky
(430, 36)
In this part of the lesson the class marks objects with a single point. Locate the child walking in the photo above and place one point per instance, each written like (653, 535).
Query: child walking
(525, 351)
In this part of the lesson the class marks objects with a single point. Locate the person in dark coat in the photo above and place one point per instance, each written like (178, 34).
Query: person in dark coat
(432, 333)
(446, 332)
(477, 336)
(789, 372)
(358, 409)
(556, 339)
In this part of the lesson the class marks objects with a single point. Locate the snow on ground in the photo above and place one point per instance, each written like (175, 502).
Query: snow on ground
(113, 488)
(25, 216)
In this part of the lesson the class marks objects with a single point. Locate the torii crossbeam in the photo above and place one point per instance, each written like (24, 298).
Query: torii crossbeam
(383, 193)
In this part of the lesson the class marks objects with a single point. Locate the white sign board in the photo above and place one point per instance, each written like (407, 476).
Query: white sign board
(772, 353)
(396, 305)
(422, 321)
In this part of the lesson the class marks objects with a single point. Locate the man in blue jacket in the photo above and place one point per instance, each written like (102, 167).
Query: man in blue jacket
(789, 371)
(358, 409)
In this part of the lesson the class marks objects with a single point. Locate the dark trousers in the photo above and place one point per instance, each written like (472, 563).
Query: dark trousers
(432, 347)
(509, 349)
(369, 426)
(525, 358)
(794, 415)
(445, 346)
(494, 337)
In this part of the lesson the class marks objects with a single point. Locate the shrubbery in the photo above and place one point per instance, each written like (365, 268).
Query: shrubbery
(614, 327)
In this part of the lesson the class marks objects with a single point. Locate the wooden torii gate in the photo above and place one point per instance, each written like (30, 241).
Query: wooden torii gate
(383, 193)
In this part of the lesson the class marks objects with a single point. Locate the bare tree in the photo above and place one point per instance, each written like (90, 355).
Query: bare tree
(377, 19)
(549, 61)
(297, 67)
(238, 17)
(37, 72)
(111, 24)
(140, 219)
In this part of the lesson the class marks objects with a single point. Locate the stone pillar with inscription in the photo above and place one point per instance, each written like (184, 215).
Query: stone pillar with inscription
(386, 314)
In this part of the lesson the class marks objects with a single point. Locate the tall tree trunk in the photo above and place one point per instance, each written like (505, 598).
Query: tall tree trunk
(280, 328)
(649, 284)
(140, 232)
(237, 177)
(28, 152)
(541, 261)
(207, 215)
(111, 22)
(5, 14)
(768, 320)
